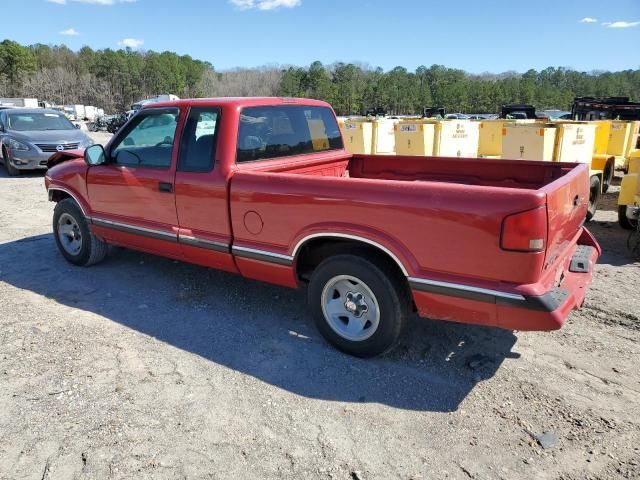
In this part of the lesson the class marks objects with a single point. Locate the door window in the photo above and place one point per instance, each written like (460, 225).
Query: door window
(148, 139)
(198, 145)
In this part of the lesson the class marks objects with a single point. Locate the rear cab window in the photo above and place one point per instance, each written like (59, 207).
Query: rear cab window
(286, 130)
(199, 138)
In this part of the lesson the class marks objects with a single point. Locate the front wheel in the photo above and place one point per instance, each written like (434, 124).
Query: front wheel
(356, 306)
(11, 170)
(74, 239)
(595, 192)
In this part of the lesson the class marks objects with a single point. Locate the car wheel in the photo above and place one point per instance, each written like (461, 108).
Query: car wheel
(356, 306)
(608, 177)
(74, 239)
(624, 221)
(11, 170)
(594, 197)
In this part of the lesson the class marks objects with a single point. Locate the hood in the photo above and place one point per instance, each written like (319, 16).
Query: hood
(60, 157)
(50, 136)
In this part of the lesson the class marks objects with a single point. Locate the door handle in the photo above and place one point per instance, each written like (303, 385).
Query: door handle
(165, 187)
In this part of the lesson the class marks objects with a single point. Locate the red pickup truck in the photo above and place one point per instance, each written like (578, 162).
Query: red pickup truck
(263, 187)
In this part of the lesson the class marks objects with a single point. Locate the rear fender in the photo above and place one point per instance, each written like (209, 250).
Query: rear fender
(390, 247)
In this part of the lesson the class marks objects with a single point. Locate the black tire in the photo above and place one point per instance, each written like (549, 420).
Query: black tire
(92, 249)
(594, 197)
(624, 221)
(391, 296)
(608, 176)
(11, 170)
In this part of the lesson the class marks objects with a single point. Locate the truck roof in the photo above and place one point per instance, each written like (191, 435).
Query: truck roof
(239, 102)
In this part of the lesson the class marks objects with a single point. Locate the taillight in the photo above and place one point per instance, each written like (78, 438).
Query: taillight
(525, 231)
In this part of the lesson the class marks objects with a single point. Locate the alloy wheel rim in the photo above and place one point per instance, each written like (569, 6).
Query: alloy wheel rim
(350, 308)
(69, 234)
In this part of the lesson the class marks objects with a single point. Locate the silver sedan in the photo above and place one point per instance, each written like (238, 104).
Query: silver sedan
(29, 136)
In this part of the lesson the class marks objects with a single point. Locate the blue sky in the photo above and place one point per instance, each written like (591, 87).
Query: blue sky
(475, 35)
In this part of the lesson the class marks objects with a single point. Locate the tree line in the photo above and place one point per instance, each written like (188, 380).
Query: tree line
(114, 79)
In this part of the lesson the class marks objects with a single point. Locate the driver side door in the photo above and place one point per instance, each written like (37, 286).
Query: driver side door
(132, 195)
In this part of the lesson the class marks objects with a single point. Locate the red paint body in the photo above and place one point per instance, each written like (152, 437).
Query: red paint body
(440, 218)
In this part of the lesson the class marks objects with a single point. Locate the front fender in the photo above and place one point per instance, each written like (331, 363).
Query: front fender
(60, 157)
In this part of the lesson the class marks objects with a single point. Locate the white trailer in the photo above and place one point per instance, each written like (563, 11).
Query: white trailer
(159, 98)
(19, 102)
(90, 113)
(75, 111)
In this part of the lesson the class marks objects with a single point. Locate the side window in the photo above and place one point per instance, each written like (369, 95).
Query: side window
(148, 140)
(198, 144)
(280, 131)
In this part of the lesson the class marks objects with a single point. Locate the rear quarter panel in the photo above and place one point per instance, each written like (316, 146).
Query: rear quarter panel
(440, 230)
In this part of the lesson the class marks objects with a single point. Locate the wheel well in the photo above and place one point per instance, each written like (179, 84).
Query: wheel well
(58, 195)
(314, 251)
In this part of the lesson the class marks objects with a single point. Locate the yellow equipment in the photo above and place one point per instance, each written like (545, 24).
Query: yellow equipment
(456, 138)
(602, 162)
(357, 136)
(368, 137)
(528, 141)
(622, 139)
(575, 142)
(490, 141)
(629, 191)
(415, 137)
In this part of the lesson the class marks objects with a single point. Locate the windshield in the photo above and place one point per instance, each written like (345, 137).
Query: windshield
(39, 121)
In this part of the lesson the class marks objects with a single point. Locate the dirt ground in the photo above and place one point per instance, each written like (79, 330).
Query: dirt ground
(144, 368)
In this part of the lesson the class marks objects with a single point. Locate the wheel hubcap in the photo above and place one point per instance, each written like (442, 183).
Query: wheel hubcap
(69, 234)
(350, 308)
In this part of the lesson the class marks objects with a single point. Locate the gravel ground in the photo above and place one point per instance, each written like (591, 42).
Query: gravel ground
(145, 368)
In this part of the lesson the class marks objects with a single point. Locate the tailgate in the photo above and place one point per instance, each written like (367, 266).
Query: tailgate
(567, 202)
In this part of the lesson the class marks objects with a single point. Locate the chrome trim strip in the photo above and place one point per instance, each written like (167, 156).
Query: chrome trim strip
(466, 288)
(202, 243)
(262, 255)
(61, 189)
(351, 237)
(147, 232)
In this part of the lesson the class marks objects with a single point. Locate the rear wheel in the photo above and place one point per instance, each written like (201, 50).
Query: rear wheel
(624, 221)
(594, 196)
(356, 306)
(608, 176)
(73, 237)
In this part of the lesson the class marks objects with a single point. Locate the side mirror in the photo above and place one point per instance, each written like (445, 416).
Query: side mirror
(95, 155)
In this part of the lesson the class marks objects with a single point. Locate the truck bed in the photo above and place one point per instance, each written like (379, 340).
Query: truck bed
(464, 171)
(442, 216)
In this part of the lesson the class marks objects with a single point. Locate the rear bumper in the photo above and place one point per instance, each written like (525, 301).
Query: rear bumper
(516, 309)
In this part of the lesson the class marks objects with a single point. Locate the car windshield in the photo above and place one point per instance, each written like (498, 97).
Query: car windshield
(38, 121)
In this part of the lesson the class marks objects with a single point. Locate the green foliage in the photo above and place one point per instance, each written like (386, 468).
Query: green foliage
(119, 77)
(352, 89)
(16, 61)
(114, 79)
